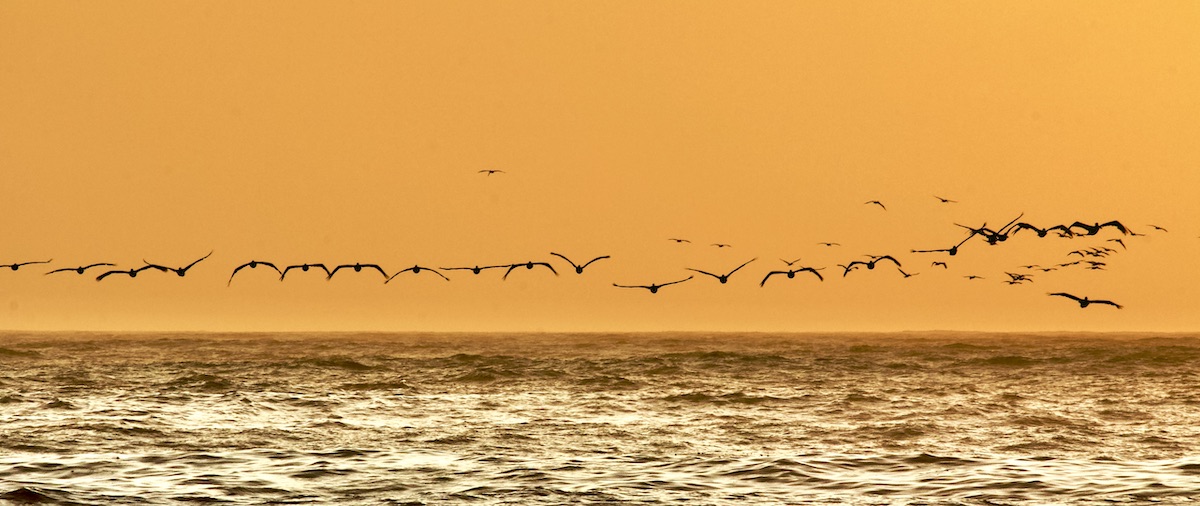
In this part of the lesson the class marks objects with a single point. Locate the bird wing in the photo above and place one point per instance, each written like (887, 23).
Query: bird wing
(1064, 228)
(768, 276)
(548, 266)
(510, 269)
(1109, 302)
(676, 282)
(814, 271)
(189, 266)
(565, 258)
(61, 270)
(703, 272)
(152, 266)
(631, 286)
(1067, 295)
(378, 268)
(235, 271)
(109, 273)
(1117, 225)
(740, 266)
(436, 272)
(593, 260)
(336, 269)
(886, 257)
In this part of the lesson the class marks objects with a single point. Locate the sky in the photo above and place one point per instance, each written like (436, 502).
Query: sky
(344, 132)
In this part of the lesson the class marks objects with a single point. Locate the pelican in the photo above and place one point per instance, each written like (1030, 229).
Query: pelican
(789, 264)
(80, 269)
(357, 268)
(791, 273)
(21, 264)
(474, 270)
(253, 264)
(939, 264)
(1158, 228)
(723, 278)
(181, 271)
(677, 241)
(907, 275)
(416, 269)
(720, 245)
(828, 244)
(972, 276)
(871, 263)
(1094, 229)
(945, 200)
(653, 287)
(528, 265)
(578, 268)
(492, 171)
(132, 272)
(304, 268)
(875, 202)
(1041, 232)
(1084, 302)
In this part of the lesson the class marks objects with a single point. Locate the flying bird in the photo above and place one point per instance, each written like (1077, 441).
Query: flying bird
(723, 278)
(941, 264)
(22, 264)
(492, 171)
(1084, 302)
(357, 268)
(1118, 241)
(474, 270)
(828, 244)
(253, 264)
(876, 202)
(1094, 229)
(416, 269)
(945, 200)
(132, 272)
(1041, 232)
(1156, 227)
(181, 271)
(720, 245)
(871, 263)
(653, 287)
(789, 264)
(972, 276)
(579, 268)
(791, 273)
(907, 275)
(305, 268)
(528, 265)
(80, 269)
(677, 241)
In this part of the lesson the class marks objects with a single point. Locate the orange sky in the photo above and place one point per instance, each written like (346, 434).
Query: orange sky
(341, 131)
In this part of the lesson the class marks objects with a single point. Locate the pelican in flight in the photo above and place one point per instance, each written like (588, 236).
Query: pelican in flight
(1084, 302)
(677, 241)
(21, 264)
(253, 264)
(789, 264)
(875, 202)
(416, 269)
(305, 268)
(492, 171)
(1094, 229)
(721, 245)
(723, 278)
(578, 268)
(357, 268)
(791, 273)
(80, 269)
(874, 260)
(939, 264)
(828, 244)
(1158, 228)
(132, 272)
(528, 265)
(945, 200)
(181, 271)
(474, 270)
(1041, 232)
(906, 274)
(653, 287)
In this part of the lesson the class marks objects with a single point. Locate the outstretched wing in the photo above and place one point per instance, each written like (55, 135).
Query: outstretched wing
(189, 266)
(886, 257)
(548, 266)
(1067, 295)
(702, 272)
(814, 271)
(565, 258)
(110, 273)
(378, 268)
(510, 269)
(61, 270)
(593, 260)
(768, 276)
(1116, 224)
(235, 271)
(740, 266)
(676, 282)
(1109, 302)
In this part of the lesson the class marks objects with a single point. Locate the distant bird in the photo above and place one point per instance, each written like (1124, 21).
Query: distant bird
(1095, 228)
(653, 287)
(791, 273)
(180, 271)
(357, 268)
(578, 268)
(677, 241)
(416, 269)
(1084, 302)
(723, 278)
(945, 201)
(80, 269)
(22, 264)
(253, 264)
(1041, 232)
(871, 263)
(876, 202)
(1019, 278)
(132, 272)
(789, 264)
(828, 244)
(492, 171)
(474, 270)
(907, 275)
(941, 264)
(1156, 227)
(720, 245)
(304, 268)
(972, 276)
(1118, 241)
(528, 265)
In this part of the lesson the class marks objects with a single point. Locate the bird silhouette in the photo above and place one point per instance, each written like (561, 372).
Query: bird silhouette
(906, 274)
(847, 268)
(876, 202)
(132, 272)
(578, 268)
(723, 278)
(492, 171)
(305, 268)
(1094, 229)
(653, 287)
(1158, 228)
(972, 276)
(17, 266)
(474, 270)
(791, 273)
(357, 268)
(416, 269)
(789, 264)
(945, 201)
(871, 263)
(80, 269)
(828, 244)
(677, 241)
(1041, 232)
(528, 265)
(1119, 241)
(721, 245)
(1084, 302)
(253, 264)
(179, 271)
(941, 264)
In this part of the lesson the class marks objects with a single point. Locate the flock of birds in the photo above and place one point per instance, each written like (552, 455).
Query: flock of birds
(1089, 258)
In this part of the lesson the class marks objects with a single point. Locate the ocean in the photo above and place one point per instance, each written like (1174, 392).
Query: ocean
(645, 418)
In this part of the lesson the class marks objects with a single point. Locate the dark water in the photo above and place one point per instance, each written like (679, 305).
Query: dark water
(553, 419)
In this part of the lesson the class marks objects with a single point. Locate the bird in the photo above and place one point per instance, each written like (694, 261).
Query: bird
(1019, 278)
(953, 250)
(416, 269)
(876, 202)
(789, 264)
(1158, 228)
(253, 264)
(871, 263)
(579, 268)
(357, 268)
(132, 272)
(528, 265)
(791, 273)
(945, 200)
(80, 269)
(907, 275)
(1118, 241)
(972, 276)
(492, 171)
(677, 241)
(304, 268)
(474, 270)
(942, 264)
(828, 244)
(22, 264)
(1041, 232)
(653, 287)
(181, 271)
(1084, 302)
(721, 245)
(723, 278)
(1094, 229)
